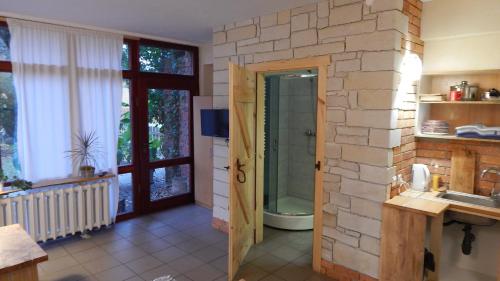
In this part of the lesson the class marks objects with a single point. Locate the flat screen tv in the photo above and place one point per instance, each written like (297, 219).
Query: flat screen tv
(215, 123)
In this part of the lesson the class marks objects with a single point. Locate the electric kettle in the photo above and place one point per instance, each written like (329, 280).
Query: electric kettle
(421, 177)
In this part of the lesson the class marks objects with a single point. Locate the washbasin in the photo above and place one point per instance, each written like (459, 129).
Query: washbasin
(473, 200)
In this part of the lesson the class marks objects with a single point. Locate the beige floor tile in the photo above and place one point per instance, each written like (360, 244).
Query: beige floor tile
(141, 237)
(90, 254)
(155, 245)
(169, 254)
(163, 270)
(293, 272)
(250, 272)
(101, 264)
(186, 263)
(105, 236)
(129, 254)
(269, 263)
(184, 278)
(74, 273)
(177, 238)
(204, 273)
(163, 231)
(305, 260)
(58, 264)
(209, 253)
(135, 278)
(144, 264)
(220, 263)
(192, 245)
(116, 245)
(118, 273)
(287, 253)
(272, 278)
(55, 252)
(79, 245)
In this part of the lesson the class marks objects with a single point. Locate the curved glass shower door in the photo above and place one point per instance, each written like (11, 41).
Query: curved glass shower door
(290, 142)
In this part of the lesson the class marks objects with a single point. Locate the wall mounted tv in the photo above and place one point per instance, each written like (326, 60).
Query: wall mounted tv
(215, 123)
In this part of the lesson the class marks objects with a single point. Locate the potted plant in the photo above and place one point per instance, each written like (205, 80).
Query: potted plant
(85, 153)
(3, 178)
(21, 184)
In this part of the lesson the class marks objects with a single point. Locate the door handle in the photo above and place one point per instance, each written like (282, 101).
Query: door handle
(240, 176)
(318, 165)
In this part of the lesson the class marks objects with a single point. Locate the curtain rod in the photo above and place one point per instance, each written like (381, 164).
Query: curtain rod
(126, 35)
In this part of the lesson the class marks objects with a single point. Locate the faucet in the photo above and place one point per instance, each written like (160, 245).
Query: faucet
(496, 170)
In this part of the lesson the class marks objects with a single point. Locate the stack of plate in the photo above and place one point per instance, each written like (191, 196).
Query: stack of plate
(435, 127)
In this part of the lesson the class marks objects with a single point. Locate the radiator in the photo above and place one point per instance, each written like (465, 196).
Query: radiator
(55, 212)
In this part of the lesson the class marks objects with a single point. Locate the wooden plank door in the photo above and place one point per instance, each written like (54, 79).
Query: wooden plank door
(242, 123)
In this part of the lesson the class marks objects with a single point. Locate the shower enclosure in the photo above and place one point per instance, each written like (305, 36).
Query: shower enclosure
(289, 149)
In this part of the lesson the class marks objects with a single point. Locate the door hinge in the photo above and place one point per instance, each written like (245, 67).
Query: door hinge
(318, 165)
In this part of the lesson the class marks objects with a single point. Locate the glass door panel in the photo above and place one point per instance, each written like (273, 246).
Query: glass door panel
(125, 153)
(168, 174)
(168, 124)
(170, 181)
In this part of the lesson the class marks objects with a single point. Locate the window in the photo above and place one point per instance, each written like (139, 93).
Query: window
(8, 106)
(124, 156)
(165, 60)
(4, 43)
(125, 57)
(8, 126)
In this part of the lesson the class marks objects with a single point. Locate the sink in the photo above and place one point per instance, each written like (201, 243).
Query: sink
(473, 200)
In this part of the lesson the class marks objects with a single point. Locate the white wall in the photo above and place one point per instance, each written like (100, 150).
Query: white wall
(206, 70)
(461, 35)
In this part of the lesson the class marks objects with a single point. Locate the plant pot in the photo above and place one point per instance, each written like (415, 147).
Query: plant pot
(87, 171)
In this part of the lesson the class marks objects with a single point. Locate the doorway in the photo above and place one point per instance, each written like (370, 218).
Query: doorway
(155, 143)
(290, 102)
(247, 152)
(289, 136)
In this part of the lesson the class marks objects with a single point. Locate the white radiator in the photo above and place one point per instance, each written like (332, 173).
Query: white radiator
(57, 211)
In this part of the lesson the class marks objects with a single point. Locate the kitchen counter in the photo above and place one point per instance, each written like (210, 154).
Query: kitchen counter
(404, 224)
(461, 207)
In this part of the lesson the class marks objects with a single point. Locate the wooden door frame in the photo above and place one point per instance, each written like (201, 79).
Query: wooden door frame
(320, 63)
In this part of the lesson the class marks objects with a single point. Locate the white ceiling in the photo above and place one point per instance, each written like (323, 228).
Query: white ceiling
(188, 20)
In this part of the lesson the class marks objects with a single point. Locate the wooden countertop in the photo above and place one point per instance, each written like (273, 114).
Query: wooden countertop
(17, 249)
(426, 207)
(418, 205)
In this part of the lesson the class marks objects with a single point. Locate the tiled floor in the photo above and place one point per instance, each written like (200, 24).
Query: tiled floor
(282, 256)
(178, 242)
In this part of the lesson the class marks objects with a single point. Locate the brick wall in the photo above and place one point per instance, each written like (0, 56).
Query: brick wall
(405, 155)
(362, 121)
(439, 153)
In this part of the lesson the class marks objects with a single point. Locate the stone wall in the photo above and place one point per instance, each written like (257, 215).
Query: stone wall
(362, 119)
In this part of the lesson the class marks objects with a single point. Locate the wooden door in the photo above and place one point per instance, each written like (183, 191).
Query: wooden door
(242, 111)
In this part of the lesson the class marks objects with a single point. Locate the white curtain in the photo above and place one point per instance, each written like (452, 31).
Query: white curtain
(68, 81)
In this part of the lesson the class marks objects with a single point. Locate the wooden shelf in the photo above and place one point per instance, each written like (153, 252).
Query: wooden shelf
(462, 72)
(462, 102)
(452, 137)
